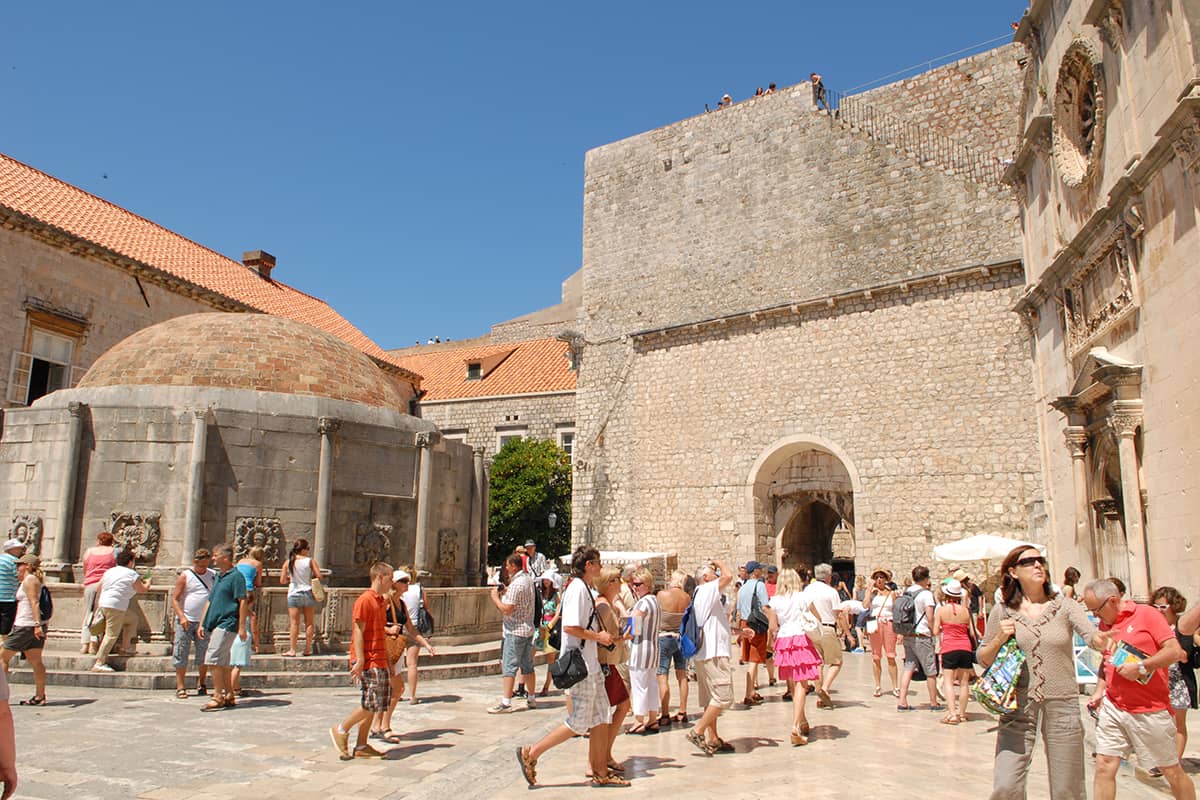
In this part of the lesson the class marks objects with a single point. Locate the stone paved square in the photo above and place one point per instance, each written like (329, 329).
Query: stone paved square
(96, 744)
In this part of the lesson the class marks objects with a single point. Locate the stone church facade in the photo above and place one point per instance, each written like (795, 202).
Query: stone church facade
(1107, 178)
(800, 343)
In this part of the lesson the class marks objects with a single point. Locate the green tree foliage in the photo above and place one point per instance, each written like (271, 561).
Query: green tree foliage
(530, 478)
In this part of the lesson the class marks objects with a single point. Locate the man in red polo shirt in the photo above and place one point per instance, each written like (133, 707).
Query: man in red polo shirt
(368, 664)
(1135, 713)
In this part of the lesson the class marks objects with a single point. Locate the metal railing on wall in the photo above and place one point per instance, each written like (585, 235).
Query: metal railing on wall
(919, 141)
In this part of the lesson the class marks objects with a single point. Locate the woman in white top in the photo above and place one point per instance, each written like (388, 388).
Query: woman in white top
(643, 651)
(118, 587)
(298, 575)
(413, 596)
(879, 628)
(28, 634)
(798, 662)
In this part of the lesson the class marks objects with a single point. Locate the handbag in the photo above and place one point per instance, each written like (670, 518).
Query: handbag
(614, 687)
(996, 689)
(424, 618)
(318, 590)
(396, 644)
(570, 668)
(96, 622)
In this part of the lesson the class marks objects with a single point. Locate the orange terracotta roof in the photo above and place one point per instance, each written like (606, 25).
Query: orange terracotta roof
(537, 365)
(79, 214)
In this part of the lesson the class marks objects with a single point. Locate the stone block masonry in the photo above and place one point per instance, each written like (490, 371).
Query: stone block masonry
(481, 421)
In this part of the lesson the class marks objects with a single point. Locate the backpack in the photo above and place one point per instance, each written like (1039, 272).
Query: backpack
(45, 604)
(904, 614)
(691, 634)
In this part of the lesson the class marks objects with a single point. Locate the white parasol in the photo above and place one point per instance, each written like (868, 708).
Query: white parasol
(982, 547)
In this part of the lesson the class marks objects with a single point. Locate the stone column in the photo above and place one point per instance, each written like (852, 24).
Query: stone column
(66, 489)
(326, 426)
(487, 504)
(1077, 441)
(1124, 421)
(195, 498)
(425, 441)
(476, 565)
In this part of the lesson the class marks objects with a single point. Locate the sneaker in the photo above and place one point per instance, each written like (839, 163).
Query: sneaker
(530, 703)
(500, 708)
(102, 668)
(342, 742)
(366, 751)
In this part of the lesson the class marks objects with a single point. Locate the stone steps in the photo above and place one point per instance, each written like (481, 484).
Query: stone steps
(264, 672)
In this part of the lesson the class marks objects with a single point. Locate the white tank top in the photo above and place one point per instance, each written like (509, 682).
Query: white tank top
(24, 618)
(301, 576)
(881, 607)
(195, 593)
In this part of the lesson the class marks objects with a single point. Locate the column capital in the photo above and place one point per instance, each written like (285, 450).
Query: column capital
(427, 438)
(1126, 418)
(1077, 440)
(328, 425)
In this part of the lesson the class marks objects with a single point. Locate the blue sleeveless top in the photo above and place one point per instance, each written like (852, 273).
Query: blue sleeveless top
(249, 572)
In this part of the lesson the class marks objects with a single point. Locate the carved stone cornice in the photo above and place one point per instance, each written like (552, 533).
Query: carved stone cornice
(328, 425)
(1125, 419)
(1109, 17)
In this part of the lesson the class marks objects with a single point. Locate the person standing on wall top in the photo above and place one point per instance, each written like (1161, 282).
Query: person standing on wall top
(818, 91)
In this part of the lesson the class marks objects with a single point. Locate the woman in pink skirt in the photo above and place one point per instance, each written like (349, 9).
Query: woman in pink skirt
(795, 657)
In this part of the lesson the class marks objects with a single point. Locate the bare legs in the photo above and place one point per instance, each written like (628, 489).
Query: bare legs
(34, 657)
(550, 657)
(294, 615)
(411, 654)
(799, 718)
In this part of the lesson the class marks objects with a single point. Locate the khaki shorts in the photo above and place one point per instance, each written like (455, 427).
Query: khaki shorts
(1151, 736)
(829, 645)
(715, 677)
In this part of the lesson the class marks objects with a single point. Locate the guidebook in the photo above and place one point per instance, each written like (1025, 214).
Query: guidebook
(1126, 653)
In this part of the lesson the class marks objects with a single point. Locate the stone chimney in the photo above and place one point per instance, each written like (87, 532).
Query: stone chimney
(260, 261)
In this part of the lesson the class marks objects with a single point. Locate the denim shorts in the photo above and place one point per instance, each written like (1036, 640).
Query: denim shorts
(670, 651)
(301, 600)
(516, 655)
(185, 639)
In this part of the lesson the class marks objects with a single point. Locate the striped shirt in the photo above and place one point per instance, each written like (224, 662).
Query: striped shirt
(643, 649)
(8, 578)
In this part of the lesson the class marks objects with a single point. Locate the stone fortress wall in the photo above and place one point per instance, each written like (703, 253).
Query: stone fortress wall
(690, 392)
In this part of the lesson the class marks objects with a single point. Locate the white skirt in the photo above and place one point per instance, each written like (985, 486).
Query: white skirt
(643, 691)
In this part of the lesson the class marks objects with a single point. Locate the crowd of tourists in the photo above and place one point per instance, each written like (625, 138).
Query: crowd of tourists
(624, 646)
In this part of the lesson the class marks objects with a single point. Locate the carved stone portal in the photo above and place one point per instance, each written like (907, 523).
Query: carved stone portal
(136, 532)
(264, 532)
(27, 527)
(372, 542)
(447, 548)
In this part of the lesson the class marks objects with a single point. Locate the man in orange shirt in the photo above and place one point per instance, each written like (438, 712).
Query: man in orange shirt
(368, 664)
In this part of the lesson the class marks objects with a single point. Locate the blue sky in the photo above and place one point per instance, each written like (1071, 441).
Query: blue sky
(419, 166)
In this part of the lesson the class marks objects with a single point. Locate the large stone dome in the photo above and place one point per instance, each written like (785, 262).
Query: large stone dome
(260, 352)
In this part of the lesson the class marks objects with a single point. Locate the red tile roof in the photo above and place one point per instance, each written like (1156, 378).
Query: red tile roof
(77, 213)
(537, 365)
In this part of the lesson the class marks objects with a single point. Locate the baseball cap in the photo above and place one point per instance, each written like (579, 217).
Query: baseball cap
(751, 566)
(13, 543)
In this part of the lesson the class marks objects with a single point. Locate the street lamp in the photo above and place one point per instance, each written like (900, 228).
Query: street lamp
(552, 519)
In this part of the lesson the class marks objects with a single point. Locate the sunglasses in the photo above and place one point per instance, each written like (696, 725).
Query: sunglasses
(403, 580)
(1099, 606)
(639, 583)
(1162, 607)
(1031, 560)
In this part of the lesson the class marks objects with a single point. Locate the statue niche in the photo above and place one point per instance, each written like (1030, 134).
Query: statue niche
(137, 532)
(264, 532)
(372, 542)
(27, 528)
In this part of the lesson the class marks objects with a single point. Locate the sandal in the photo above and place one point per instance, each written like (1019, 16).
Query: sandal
(799, 739)
(609, 780)
(640, 729)
(528, 765)
(756, 697)
(615, 767)
(949, 720)
(895, 692)
(288, 654)
(213, 705)
(878, 692)
(36, 700)
(386, 735)
(181, 694)
(681, 717)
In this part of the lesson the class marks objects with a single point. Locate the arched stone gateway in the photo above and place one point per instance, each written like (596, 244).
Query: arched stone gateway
(803, 492)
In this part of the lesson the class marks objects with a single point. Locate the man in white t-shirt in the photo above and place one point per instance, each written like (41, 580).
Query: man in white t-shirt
(825, 603)
(714, 673)
(117, 588)
(590, 711)
(919, 647)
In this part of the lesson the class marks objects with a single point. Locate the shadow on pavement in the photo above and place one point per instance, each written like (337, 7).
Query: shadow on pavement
(745, 744)
(645, 766)
(819, 732)
(397, 753)
(440, 698)
(65, 703)
(1191, 766)
(262, 702)
(431, 733)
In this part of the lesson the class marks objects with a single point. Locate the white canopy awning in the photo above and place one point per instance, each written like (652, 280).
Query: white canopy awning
(982, 547)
